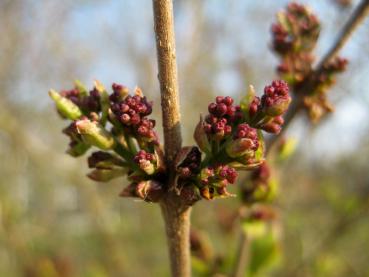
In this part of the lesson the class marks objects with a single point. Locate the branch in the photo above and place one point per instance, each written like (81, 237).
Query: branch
(177, 224)
(166, 53)
(242, 255)
(175, 212)
(352, 24)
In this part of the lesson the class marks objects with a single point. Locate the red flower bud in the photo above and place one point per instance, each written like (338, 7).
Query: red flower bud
(276, 99)
(146, 162)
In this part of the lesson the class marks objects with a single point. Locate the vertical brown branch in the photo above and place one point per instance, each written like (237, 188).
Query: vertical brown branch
(175, 212)
(177, 224)
(166, 52)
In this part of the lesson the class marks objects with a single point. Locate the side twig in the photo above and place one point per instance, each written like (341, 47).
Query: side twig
(352, 24)
(242, 255)
(358, 16)
(175, 212)
(348, 29)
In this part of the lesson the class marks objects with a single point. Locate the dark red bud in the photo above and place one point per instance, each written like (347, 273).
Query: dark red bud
(125, 118)
(221, 109)
(219, 99)
(212, 108)
(228, 100)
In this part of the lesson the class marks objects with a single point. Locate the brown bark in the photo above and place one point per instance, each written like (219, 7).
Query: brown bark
(175, 212)
(177, 224)
(166, 52)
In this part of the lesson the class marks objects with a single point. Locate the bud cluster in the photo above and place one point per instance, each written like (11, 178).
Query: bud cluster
(276, 98)
(231, 136)
(297, 30)
(88, 103)
(266, 112)
(245, 142)
(214, 180)
(132, 112)
(317, 102)
(295, 35)
(146, 161)
(188, 162)
(222, 115)
(73, 95)
(77, 146)
(245, 131)
(119, 125)
(147, 190)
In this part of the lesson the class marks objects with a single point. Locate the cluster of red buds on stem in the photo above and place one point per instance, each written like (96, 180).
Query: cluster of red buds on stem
(119, 127)
(294, 37)
(231, 138)
(317, 102)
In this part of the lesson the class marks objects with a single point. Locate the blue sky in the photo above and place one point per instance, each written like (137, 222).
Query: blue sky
(95, 35)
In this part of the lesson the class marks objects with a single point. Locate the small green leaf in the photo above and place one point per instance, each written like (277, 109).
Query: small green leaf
(246, 101)
(95, 134)
(104, 101)
(64, 106)
(81, 88)
(105, 175)
(79, 149)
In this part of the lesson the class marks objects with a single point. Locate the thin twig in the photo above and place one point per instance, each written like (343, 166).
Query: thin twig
(242, 253)
(175, 212)
(352, 24)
